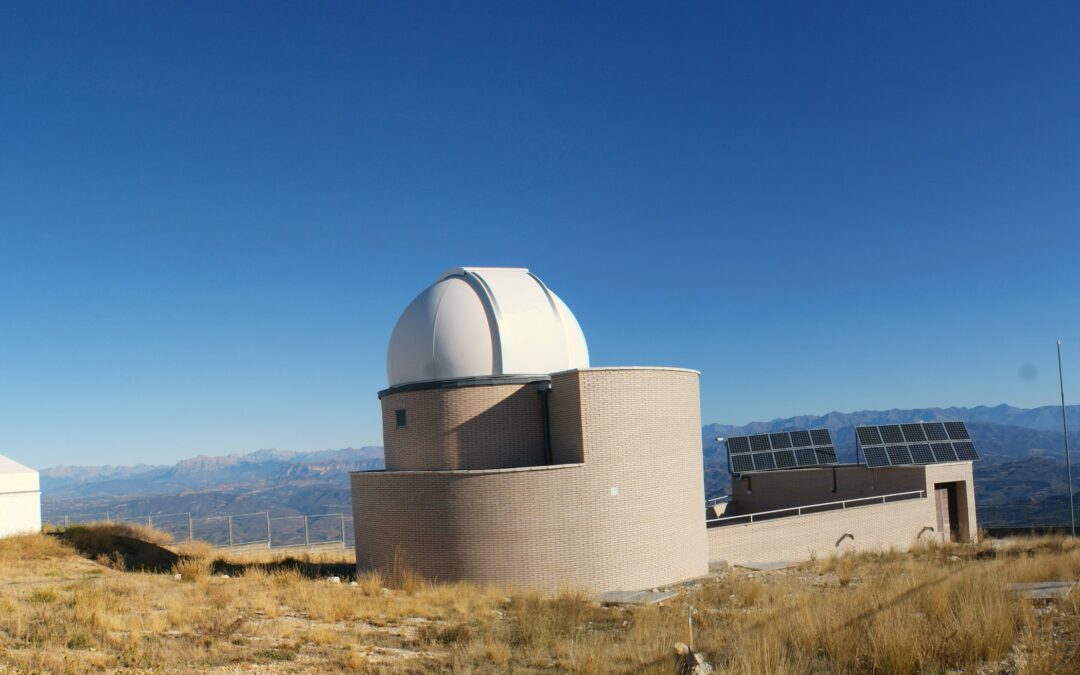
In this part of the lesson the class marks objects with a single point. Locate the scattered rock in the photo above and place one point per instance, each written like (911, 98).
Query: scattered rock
(178, 577)
(334, 580)
(689, 662)
(354, 584)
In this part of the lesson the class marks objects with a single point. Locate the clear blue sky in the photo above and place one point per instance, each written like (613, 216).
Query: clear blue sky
(212, 215)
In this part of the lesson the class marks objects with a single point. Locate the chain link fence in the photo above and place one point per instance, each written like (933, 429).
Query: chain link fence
(242, 529)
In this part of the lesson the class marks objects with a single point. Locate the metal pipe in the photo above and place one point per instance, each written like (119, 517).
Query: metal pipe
(545, 411)
(1065, 432)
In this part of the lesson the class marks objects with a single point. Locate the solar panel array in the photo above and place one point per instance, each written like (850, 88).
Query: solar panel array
(915, 443)
(780, 450)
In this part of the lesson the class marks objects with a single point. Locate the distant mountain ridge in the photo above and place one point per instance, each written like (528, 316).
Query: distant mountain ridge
(1043, 418)
(258, 480)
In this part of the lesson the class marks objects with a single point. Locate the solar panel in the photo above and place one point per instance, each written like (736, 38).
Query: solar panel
(965, 451)
(780, 441)
(763, 461)
(785, 459)
(921, 453)
(943, 452)
(890, 433)
(739, 444)
(868, 435)
(740, 463)
(826, 455)
(915, 443)
(935, 431)
(913, 433)
(801, 439)
(957, 431)
(898, 454)
(875, 456)
(780, 450)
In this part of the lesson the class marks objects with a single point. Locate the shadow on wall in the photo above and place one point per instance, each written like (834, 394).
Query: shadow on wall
(509, 434)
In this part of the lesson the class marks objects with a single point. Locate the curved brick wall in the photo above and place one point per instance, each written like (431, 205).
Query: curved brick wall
(475, 427)
(628, 515)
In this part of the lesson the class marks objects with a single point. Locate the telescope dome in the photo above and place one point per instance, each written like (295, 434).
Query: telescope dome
(484, 322)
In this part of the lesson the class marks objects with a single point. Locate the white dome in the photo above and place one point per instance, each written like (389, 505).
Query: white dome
(483, 322)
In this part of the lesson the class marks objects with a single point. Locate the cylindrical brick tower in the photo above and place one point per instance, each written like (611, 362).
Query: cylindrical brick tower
(509, 461)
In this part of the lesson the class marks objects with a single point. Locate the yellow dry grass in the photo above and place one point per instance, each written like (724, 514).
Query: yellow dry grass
(933, 609)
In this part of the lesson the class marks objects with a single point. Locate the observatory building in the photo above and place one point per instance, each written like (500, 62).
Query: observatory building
(20, 498)
(511, 461)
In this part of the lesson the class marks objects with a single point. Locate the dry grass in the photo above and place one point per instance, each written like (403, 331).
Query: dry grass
(934, 609)
(150, 535)
(32, 547)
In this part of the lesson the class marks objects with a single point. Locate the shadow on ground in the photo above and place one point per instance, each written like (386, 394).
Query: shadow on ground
(136, 554)
(311, 570)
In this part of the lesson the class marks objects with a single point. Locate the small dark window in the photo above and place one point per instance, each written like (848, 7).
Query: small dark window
(400, 414)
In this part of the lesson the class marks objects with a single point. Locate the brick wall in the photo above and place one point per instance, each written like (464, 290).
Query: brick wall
(629, 517)
(476, 427)
(895, 525)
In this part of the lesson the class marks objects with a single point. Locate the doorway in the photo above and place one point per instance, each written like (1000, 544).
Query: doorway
(947, 504)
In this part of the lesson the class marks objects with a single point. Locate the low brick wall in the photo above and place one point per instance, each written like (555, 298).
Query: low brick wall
(894, 525)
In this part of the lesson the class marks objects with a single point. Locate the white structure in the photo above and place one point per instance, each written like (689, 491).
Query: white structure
(20, 498)
(484, 322)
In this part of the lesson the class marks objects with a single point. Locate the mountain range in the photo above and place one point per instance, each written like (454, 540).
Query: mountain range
(1020, 480)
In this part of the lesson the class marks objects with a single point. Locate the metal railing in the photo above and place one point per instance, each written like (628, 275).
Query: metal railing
(795, 511)
(242, 529)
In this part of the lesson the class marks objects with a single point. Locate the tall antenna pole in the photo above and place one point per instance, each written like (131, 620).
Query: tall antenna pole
(1065, 430)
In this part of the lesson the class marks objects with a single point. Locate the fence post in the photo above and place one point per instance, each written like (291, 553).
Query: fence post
(342, 529)
(149, 521)
(230, 530)
(269, 539)
(190, 530)
(307, 540)
(65, 521)
(106, 516)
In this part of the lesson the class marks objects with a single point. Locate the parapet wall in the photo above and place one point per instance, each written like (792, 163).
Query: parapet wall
(896, 525)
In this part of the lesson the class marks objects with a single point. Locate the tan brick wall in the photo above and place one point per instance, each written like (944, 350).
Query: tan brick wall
(956, 472)
(895, 525)
(567, 436)
(477, 427)
(630, 517)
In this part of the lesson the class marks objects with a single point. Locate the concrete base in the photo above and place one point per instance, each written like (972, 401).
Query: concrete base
(636, 597)
(1042, 590)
